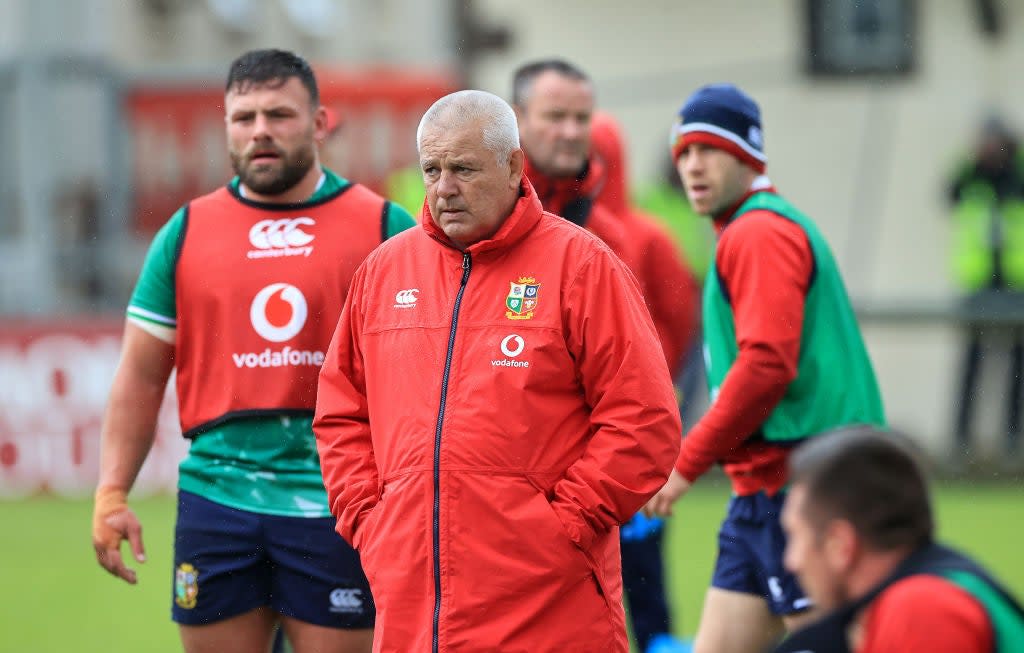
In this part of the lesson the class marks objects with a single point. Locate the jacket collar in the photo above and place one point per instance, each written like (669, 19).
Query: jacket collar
(556, 193)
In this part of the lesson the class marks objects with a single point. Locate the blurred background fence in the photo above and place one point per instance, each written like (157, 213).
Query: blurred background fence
(114, 119)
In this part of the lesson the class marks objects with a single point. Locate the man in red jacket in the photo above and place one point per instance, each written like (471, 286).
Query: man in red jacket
(554, 102)
(494, 404)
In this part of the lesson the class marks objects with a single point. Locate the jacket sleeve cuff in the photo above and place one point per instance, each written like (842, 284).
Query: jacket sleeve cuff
(689, 469)
(575, 527)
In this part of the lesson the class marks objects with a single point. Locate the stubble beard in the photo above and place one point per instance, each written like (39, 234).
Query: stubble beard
(267, 181)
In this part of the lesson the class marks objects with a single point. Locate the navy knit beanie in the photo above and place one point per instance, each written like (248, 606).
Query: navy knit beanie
(722, 116)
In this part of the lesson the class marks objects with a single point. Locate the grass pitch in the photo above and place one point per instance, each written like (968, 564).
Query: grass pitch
(56, 598)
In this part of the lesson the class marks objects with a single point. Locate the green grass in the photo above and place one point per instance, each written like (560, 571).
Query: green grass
(983, 520)
(56, 598)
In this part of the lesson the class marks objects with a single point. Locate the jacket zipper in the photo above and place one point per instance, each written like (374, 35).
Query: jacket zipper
(467, 264)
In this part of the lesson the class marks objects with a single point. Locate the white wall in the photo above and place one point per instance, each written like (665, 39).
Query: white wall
(866, 159)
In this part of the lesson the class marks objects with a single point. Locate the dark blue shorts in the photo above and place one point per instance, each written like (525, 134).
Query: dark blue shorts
(751, 545)
(228, 561)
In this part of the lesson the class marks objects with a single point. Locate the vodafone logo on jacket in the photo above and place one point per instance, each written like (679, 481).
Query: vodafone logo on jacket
(511, 346)
(278, 313)
(284, 237)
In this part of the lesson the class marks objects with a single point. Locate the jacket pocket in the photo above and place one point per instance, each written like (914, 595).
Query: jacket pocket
(543, 483)
(556, 528)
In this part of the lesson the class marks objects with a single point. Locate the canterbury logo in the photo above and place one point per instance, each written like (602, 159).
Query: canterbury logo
(275, 238)
(406, 298)
(346, 600)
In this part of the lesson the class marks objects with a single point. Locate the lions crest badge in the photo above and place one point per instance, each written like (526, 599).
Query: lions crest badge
(522, 298)
(186, 586)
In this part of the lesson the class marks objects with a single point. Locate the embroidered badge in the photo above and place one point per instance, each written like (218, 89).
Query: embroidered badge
(186, 586)
(522, 299)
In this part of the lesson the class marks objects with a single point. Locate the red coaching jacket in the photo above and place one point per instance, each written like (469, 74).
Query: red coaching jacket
(670, 290)
(485, 421)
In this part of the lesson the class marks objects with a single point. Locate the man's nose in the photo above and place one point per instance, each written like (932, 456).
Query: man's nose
(260, 127)
(693, 163)
(446, 186)
(573, 129)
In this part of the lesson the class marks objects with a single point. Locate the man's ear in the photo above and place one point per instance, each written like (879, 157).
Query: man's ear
(320, 125)
(842, 545)
(516, 163)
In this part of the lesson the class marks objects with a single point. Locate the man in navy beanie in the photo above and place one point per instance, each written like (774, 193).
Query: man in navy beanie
(785, 362)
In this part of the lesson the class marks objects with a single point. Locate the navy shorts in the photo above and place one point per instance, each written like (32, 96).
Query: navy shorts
(751, 545)
(228, 561)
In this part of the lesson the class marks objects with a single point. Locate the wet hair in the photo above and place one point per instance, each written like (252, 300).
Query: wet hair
(525, 75)
(271, 67)
(869, 477)
(462, 108)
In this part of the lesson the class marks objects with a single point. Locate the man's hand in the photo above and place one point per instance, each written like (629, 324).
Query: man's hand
(660, 504)
(112, 522)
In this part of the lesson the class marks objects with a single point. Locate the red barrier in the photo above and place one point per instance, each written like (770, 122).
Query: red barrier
(178, 141)
(54, 381)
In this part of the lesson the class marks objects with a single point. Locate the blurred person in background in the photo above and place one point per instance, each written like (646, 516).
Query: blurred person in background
(669, 289)
(554, 102)
(861, 539)
(785, 362)
(987, 210)
(672, 295)
(535, 412)
(239, 294)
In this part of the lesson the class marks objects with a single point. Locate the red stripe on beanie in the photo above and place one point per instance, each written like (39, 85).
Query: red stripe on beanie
(717, 142)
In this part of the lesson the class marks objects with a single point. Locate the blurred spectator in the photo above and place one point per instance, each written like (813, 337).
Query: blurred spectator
(669, 288)
(554, 101)
(987, 198)
(672, 296)
(861, 538)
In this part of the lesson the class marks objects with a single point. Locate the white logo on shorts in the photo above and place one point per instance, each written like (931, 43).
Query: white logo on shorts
(775, 588)
(346, 600)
